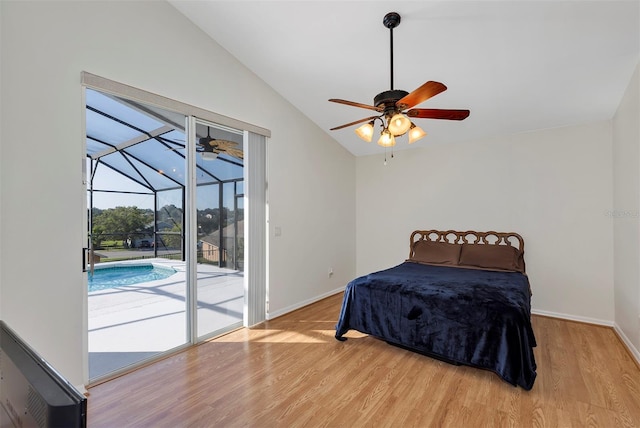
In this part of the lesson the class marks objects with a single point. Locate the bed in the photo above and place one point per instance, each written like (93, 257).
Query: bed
(462, 297)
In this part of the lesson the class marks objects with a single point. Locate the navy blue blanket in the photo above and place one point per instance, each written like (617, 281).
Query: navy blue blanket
(467, 316)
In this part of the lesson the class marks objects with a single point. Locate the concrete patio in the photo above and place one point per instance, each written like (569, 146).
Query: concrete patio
(130, 323)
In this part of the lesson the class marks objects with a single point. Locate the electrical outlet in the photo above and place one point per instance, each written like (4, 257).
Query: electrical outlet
(330, 272)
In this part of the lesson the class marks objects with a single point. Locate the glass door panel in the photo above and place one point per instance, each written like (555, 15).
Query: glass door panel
(137, 282)
(219, 282)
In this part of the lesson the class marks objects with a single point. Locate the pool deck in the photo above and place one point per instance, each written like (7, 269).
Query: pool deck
(130, 323)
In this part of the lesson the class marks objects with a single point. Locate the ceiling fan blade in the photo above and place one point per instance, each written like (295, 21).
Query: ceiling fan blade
(354, 104)
(234, 153)
(434, 113)
(423, 93)
(354, 123)
(220, 143)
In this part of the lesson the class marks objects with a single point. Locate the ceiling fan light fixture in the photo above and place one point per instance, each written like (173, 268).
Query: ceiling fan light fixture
(415, 133)
(365, 131)
(386, 139)
(209, 156)
(399, 124)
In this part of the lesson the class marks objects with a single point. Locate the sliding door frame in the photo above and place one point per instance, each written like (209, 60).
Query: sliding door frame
(255, 177)
(191, 238)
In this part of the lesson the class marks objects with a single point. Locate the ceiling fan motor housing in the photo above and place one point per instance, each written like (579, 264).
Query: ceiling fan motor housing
(388, 99)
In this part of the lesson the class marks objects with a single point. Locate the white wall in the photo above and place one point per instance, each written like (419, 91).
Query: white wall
(626, 178)
(313, 205)
(552, 186)
(149, 45)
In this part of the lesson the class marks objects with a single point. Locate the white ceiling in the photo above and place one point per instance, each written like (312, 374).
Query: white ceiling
(517, 65)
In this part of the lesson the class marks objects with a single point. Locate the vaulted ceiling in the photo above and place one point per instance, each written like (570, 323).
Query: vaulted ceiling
(517, 65)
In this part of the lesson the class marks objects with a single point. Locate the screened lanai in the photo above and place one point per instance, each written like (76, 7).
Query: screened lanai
(136, 158)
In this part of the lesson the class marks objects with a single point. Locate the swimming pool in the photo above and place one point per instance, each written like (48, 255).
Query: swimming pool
(115, 276)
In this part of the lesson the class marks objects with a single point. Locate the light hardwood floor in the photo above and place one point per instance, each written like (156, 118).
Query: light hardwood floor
(291, 372)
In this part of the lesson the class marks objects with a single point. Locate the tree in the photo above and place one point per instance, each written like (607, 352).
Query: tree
(208, 221)
(170, 214)
(119, 223)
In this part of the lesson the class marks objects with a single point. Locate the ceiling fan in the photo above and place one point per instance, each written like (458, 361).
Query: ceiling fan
(210, 147)
(392, 105)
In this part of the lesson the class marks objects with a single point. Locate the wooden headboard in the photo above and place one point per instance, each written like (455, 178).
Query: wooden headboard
(468, 237)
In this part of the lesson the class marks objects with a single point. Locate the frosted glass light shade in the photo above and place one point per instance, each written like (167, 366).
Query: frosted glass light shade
(209, 156)
(386, 139)
(415, 133)
(399, 124)
(365, 132)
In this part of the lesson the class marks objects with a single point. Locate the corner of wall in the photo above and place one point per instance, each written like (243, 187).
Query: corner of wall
(635, 353)
(626, 215)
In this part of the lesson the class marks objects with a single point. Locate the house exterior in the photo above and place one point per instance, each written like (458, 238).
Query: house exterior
(212, 249)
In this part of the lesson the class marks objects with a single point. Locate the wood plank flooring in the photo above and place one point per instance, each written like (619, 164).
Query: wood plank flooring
(291, 372)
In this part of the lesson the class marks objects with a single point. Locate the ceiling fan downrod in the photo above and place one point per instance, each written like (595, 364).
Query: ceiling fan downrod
(391, 20)
(388, 99)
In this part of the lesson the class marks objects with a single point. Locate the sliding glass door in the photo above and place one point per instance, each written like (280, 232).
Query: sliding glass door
(165, 231)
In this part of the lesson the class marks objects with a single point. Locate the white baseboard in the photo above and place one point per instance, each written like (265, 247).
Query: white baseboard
(632, 349)
(274, 314)
(572, 317)
(625, 340)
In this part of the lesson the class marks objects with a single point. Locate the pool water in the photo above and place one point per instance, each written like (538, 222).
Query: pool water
(109, 277)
